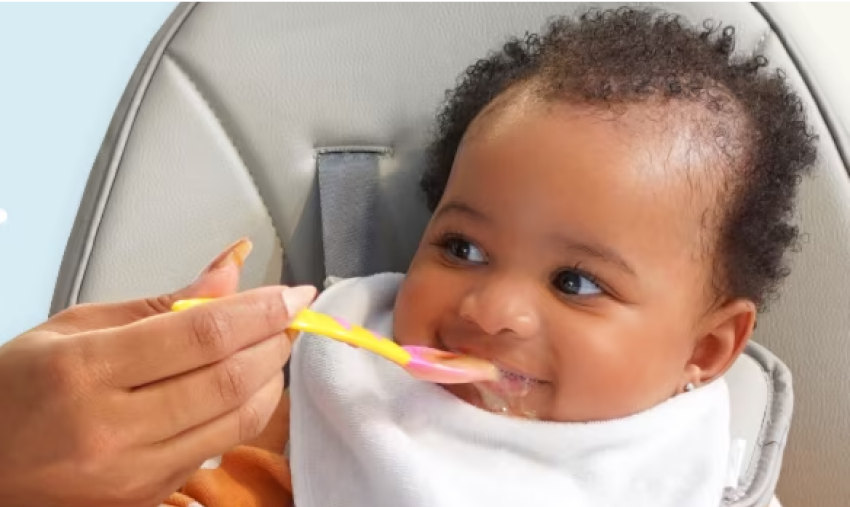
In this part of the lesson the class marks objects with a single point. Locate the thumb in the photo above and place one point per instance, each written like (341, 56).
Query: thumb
(219, 278)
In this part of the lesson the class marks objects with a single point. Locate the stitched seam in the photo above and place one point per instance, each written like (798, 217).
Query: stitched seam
(181, 70)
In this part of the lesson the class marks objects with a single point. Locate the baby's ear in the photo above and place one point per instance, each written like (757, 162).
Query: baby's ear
(728, 331)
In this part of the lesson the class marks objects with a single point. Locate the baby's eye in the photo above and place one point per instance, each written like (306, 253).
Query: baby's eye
(573, 283)
(464, 250)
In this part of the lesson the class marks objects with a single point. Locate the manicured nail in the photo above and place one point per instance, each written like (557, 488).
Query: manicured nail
(236, 253)
(296, 299)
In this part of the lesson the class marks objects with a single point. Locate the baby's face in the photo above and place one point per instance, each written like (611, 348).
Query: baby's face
(567, 249)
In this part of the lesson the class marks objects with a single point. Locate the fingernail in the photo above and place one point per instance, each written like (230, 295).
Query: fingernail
(236, 253)
(296, 299)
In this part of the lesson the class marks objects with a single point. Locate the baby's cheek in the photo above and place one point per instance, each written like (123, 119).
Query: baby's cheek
(608, 376)
(416, 312)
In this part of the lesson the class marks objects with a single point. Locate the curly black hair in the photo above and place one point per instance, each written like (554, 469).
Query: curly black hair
(626, 56)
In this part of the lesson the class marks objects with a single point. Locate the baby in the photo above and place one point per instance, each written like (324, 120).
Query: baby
(612, 205)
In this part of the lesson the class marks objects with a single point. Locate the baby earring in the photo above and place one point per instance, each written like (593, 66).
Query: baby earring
(689, 387)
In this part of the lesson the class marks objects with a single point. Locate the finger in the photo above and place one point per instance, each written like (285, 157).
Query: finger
(219, 435)
(219, 278)
(170, 407)
(168, 345)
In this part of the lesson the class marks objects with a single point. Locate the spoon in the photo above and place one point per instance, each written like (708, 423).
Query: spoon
(423, 363)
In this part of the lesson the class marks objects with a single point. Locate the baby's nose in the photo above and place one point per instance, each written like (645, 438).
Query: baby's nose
(503, 306)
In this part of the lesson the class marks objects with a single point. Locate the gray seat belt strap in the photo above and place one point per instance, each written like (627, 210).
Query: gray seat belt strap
(348, 197)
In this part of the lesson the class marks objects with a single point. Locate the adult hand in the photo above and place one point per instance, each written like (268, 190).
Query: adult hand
(118, 404)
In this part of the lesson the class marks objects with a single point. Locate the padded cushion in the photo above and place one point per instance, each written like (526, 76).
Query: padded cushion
(217, 136)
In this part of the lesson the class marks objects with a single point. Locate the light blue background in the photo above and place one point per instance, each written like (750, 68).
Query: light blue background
(63, 68)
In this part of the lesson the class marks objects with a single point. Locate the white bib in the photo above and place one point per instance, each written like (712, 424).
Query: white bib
(366, 434)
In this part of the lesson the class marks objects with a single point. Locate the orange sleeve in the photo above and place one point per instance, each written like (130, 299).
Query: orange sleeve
(252, 475)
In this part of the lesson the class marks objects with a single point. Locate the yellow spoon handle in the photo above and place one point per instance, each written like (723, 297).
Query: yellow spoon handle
(185, 304)
(325, 325)
(309, 321)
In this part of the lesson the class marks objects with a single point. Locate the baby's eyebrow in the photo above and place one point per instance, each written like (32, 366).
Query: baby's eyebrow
(463, 208)
(601, 252)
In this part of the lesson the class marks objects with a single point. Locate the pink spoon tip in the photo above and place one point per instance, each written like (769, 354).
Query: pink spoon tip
(441, 367)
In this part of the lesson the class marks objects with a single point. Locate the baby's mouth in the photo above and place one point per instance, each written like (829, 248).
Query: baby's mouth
(510, 374)
(508, 395)
(515, 383)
